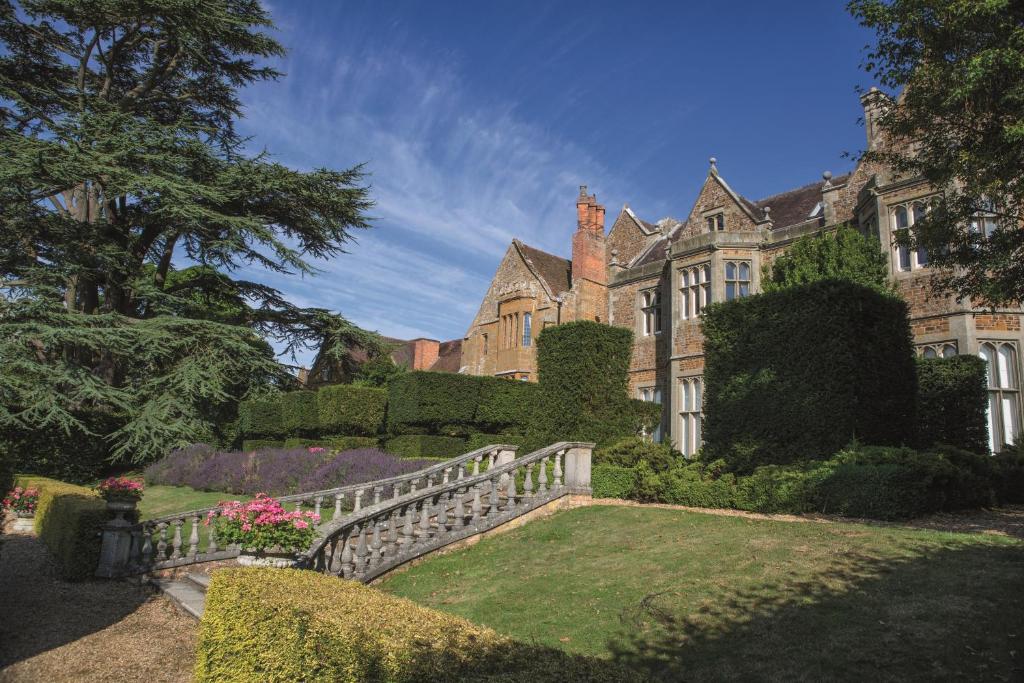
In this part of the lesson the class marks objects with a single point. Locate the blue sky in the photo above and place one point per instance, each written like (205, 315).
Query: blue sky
(477, 122)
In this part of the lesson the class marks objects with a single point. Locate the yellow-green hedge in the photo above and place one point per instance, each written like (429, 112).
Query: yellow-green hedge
(295, 625)
(68, 520)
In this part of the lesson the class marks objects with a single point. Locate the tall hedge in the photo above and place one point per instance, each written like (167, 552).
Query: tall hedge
(351, 410)
(583, 372)
(432, 402)
(951, 402)
(300, 415)
(796, 374)
(261, 417)
(504, 404)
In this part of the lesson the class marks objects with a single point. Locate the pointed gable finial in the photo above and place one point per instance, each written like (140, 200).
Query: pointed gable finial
(583, 191)
(767, 213)
(714, 165)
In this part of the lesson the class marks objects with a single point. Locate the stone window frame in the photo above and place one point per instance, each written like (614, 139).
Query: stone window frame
(485, 342)
(736, 281)
(650, 311)
(652, 393)
(527, 337)
(714, 220)
(691, 413)
(905, 259)
(1004, 391)
(694, 290)
(942, 349)
(510, 330)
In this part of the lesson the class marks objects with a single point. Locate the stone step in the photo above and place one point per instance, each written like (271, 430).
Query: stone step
(201, 581)
(187, 595)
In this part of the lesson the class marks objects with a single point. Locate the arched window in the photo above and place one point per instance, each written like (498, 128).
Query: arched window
(737, 279)
(694, 290)
(1003, 393)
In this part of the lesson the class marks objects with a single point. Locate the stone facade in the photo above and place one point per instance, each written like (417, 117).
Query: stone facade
(718, 252)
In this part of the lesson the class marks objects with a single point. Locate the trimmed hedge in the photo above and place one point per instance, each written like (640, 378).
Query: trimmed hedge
(612, 481)
(798, 373)
(505, 404)
(299, 413)
(426, 445)
(261, 417)
(583, 369)
(952, 401)
(432, 402)
(256, 444)
(68, 521)
(351, 410)
(335, 443)
(290, 625)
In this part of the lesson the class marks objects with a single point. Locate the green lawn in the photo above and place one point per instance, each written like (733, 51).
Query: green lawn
(158, 501)
(688, 596)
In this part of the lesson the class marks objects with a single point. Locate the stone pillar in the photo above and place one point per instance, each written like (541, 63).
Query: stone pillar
(505, 455)
(577, 468)
(115, 550)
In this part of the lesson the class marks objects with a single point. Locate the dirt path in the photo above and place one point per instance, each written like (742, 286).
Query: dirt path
(51, 630)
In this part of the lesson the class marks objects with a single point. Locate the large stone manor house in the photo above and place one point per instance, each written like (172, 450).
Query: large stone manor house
(656, 278)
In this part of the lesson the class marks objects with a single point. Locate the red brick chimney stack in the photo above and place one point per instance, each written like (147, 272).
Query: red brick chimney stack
(588, 247)
(424, 353)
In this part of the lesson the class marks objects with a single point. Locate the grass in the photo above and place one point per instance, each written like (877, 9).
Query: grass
(683, 595)
(158, 501)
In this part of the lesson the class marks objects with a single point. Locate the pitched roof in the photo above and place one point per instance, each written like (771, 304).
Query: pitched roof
(658, 249)
(554, 271)
(449, 357)
(795, 206)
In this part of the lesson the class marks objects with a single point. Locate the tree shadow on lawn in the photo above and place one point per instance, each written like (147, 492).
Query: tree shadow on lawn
(956, 611)
(39, 611)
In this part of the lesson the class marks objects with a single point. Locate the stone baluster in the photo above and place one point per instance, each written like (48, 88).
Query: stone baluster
(447, 475)
(161, 544)
(412, 486)
(193, 538)
(558, 470)
(492, 498)
(346, 555)
(393, 528)
(376, 544)
(359, 501)
(476, 465)
(510, 491)
(317, 505)
(176, 543)
(542, 476)
(408, 530)
(424, 520)
(490, 460)
(211, 539)
(528, 481)
(360, 560)
(378, 491)
(396, 491)
(458, 511)
(337, 505)
(462, 471)
(476, 506)
(147, 543)
(442, 513)
(334, 566)
(430, 481)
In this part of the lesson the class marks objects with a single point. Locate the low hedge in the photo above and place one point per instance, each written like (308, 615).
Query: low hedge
(426, 445)
(612, 481)
(256, 444)
(354, 410)
(290, 625)
(68, 521)
(335, 443)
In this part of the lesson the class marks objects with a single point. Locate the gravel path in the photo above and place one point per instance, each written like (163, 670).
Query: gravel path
(51, 630)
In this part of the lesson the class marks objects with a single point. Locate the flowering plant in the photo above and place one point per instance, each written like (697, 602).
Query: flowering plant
(120, 487)
(317, 449)
(263, 523)
(22, 500)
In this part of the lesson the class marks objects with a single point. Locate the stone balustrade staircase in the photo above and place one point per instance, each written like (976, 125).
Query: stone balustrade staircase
(187, 593)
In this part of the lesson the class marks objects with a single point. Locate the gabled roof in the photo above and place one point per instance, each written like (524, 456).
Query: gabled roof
(657, 250)
(554, 272)
(795, 206)
(449, 357)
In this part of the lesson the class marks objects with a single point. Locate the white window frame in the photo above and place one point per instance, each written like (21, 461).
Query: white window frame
(691, 410)
(916, 259)
(652, 394)
(736, 281)
(650, 311)
(1004, 407)
(694, 290)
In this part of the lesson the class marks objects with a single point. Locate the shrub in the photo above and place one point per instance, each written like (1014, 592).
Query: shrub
(432, 402)
(6, 467)
(582, 368)
(1009, 467)
(612, 481)
(952, 401)
(796, 374)
(631, 451)
(646, 416)
(299, 413)
(347, 409)
(256, 444)
(77, 457)
(694, 485)
(285, 624)
(776, 488)
(261, 417)
(505, 404)
(420, 445)
(68, 521)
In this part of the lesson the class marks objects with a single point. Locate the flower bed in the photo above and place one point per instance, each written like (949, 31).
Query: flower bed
(22, 501)
(120, 487)
(275, 471)
(263, 524)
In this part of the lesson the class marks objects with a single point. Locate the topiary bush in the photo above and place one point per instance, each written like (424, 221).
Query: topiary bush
(952, 400)
(426, 445)
(299, 413)
(795, 374)
(583, 373)
(290, 625)
(351, 410)
(612, 481)
(631, 451)
(68, 521)
(261, 417)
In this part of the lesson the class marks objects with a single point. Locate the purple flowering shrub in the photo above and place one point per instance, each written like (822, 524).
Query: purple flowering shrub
(275, 471)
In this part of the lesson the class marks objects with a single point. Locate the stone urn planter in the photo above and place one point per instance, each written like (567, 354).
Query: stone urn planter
(271, 557)
(120, 506)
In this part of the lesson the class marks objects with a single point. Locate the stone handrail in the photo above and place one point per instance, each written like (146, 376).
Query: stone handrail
(368, 543)
(176, 540)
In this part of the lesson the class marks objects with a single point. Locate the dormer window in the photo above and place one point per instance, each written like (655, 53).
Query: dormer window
(716, 222)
